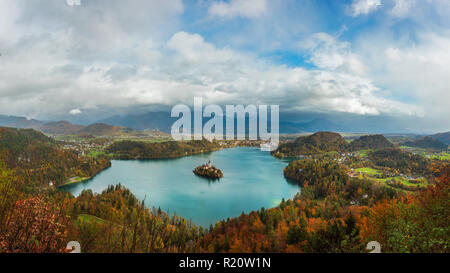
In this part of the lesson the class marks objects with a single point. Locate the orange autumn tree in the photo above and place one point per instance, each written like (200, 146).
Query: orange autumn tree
(418, 223)
(34, 226)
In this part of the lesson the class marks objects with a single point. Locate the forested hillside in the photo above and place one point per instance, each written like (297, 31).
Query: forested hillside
(370, 142)
(169, 149)
(39, 161)
(335, 213)
(111, 222)
(402, 161)
(320, 142)
(426, 143)
(116, 221)
(323, 142)
(443, 137)
(61, 128)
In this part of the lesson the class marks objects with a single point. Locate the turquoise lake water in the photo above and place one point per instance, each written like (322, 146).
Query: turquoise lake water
(252, 179)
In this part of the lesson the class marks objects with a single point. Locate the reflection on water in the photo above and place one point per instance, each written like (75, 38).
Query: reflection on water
(252, 179)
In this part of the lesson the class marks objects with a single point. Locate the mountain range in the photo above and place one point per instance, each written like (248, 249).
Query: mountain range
(161, 121)
(96, 129)
(65, 127)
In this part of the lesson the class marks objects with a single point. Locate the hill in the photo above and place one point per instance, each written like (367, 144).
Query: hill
(97, 129)
(61, 128)
(426, 143)
(38, 159)
(66, 127)
(320, 142)
(405, 162)
(443, 137)
(169, 149)
(370, 142)
(102, 129)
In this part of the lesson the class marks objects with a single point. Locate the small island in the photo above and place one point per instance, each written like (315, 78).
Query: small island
(208, 170)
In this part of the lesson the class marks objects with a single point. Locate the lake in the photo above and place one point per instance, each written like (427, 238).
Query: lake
(252, 179)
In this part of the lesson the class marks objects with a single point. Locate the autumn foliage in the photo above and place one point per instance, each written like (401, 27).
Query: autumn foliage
(333, 212)
(34, 226)
(417, 223)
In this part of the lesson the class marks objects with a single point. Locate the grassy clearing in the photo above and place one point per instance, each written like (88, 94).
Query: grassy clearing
(95, 153)
(444, 156)
(368, 171)
(75, 180)
(364, 153)
(91, 219)
(86, 218)
(372, 172)
(403, 181)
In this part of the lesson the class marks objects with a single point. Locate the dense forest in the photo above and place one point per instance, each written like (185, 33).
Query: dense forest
(402, 161)
(372, 142)
(169, 149)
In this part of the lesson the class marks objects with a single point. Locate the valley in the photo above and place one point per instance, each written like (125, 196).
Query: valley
(139, 187)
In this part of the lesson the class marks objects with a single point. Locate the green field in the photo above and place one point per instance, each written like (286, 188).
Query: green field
(399, 179)
(364, 153)
(442, 156)
(95, 153)
(372, 172)
(368, 171)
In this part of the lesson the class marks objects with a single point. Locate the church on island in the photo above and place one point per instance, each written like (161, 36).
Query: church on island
(208, 170)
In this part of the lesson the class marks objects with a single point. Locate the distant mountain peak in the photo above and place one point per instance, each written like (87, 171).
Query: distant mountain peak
(60, 128)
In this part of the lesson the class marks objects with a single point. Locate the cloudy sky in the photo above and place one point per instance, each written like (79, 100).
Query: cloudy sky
(382, 58)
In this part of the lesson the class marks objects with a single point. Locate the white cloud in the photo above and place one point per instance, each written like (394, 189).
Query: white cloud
(362, 7)
(421, 69)
(238, 8)
(75, 112)
(9, 12)
(402, 7)
(327, 52)
(93, 59)
(34, 81)
(415, 72)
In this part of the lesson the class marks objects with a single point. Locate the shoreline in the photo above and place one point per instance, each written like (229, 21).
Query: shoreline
(83, 179)
(174, 210)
